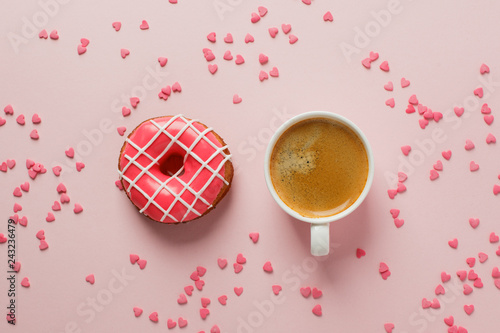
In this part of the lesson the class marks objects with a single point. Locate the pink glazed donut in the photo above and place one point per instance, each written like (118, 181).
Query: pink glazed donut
(174, 169)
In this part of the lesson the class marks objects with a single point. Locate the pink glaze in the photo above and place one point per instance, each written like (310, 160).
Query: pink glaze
(188, 193)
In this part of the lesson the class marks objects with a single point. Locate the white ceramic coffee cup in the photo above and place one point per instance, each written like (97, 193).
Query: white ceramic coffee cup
(320, 227)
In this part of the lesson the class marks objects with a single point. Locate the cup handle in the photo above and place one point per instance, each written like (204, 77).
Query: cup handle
(320, 239)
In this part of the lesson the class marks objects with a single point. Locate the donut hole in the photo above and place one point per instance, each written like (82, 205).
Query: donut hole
(172, 164)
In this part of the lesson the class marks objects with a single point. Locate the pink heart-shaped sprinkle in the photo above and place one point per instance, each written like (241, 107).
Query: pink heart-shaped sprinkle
(449, 321)
(85, 42)
(478, 283)
(3, 167)
(497, 283)
(238, 290)
(469, 145)
(384, 66)
(306, 292)
(205, 302)
(405, 150)
(32, 173)
(426, 303)
(413, 100)
(255, 18)
(14, 218)
(276, 289)
(485, 109)
(446, 154)
(194, 276)
(124, 53)
(268, 267)
(70, 152)
(474, 166)
(237, 267)
(90, 278)
(154, 317)
(137, 311)
(473, 222)
(201, 270)
(495, 273)
(8, 109)
(240, 259)
(144, 25)
(262, 11)
(429, 114)
(491, 138)
(392, 193)
(469, 309)
(50, 217)
(25, 282)
(388, 327)
(162, 61)
(171, 324)
(317, 311)
(40, 234)
(462, 275)
(176, 87)
(17, 192)
(134, 258)
(249, 38)
(211, 37)
(17, 267)
(182, 299)
(453, 243)
(263, 76)
(43, 245)
(81, 49)
(390, 102)
(79, 166)
(204, 313)
(467, 289)
(228, 55)
(254, 236)
(274, 72)
(43, 34)
(479, 92)
(493, 237)
(433, 175)
(23, 221)
(404, 82)
(166, 90)
(263, 59)
(399, 222)
(20, 119)
(229, 38)
(470, 261)
(212, 68)
(222, 299)
(2, 121)
(394, 212)
(439, 290)
(125, 111)
(286, 28)
(438, 166)
(401, 188)
(199, 284)
(3, 239)
(56, 206)
(117, 25)
(437, 116)
(484, 69)
(488, 119)
(389, 86)
(142, 263)
(189, 290)
(360, 253)
(61, 188)
(17, 207)
(239, 60)
(383, 267)
(402, 177)
(367, 63)
(435, 304)
(458, 111)
(182, 322)
(373, 56)
(222, 263)
(328, 16)
(35, 119)
(237, 99)
(134, 101)
(78, 208)
(292, 39)
(496, 189)
(121, 130)
(209, 56)
(423, 123)
(118, 184)
(421, 109)
(54, 35)
(214, 329)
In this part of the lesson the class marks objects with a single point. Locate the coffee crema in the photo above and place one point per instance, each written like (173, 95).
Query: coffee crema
(319, 167)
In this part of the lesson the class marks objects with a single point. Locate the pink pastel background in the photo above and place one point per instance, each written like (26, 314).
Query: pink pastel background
(438, 46)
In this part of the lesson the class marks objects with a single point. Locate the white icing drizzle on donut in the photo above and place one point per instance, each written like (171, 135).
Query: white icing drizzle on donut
(163, 185)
